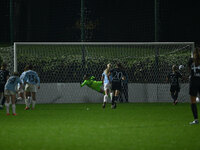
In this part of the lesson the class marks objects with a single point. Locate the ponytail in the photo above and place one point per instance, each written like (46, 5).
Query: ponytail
(107, 70)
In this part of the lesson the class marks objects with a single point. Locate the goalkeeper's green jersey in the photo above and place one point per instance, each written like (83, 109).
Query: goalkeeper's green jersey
(93, 84)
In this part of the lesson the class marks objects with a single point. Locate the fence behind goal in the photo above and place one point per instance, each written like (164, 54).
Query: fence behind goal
(61, 67)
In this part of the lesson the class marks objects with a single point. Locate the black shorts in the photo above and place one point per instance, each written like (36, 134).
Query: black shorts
(174, 89)
(194, 87)
(116, 86)
(2, 88)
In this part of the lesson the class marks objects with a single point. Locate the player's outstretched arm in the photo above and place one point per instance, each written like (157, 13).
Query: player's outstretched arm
(84, 83)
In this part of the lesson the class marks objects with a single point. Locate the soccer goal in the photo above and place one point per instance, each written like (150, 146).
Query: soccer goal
(61, 67)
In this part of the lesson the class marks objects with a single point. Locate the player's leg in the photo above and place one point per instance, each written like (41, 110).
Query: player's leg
(117, 94)
(106, 96)
(193, 90)
(27, 103)
(173, 91)
(176, 95)
(115, 98)
(2, 96)
(7, 103)
(113, 88)
(173, 96)
(117, 88)
(27, 96)
(33, 91)
(194, 110)
(111, 95)
(21, 95)
(33, 99)
(13, 97)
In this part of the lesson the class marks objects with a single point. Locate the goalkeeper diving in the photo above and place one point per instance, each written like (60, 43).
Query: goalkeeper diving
(93, 84)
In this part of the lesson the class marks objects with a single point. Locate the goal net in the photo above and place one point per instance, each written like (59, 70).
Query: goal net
(61, 67)
(6, 56)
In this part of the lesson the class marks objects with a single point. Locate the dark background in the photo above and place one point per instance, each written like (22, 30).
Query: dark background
(105, 20)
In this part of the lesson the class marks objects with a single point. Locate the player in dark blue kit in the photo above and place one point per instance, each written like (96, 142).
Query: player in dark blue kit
(124, 91)
(4, 75)
(173, 77)
(194, 84)
(116, 75)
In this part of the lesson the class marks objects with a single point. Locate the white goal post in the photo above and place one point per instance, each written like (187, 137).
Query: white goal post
(61, 66)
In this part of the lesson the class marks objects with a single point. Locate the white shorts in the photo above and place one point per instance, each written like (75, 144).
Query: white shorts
(30, 88)
(9, 93)
(107, 86)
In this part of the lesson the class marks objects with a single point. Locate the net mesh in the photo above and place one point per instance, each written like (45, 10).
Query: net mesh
(7, 56)
(146, 64)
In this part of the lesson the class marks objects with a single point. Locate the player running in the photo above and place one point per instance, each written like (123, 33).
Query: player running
(117, 75)
(106, 85)
(93, 84)
(4, 75)
(10, 92)
(173, 78)
(31, 81)
(194, 84)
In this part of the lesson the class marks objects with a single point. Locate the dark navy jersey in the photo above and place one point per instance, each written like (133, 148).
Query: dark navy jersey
(173, 78)
(116, 74)
(3, 76)
(194, 69)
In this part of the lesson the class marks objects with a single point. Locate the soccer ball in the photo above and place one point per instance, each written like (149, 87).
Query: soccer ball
(181, 67)
(197, 99)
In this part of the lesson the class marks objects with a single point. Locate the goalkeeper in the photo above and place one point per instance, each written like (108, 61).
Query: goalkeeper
(92, 83)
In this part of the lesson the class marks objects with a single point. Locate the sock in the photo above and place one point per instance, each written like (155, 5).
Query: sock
(116, 98)
(27, 102)
(29, 99)
(33, 103)
(111, 96)
(194, 110)
(14, 108)
(105, 99)
(113, 100)
(7, 107)
(176, 95)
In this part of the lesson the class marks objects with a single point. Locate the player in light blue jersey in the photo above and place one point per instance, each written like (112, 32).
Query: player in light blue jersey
(21, 95)
(106, 85)
(10, 92)
(31, 81)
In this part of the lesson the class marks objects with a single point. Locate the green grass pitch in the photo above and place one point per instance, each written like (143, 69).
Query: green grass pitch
(132, 126)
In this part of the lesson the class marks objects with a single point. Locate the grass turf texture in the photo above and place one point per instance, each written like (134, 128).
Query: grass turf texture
(139, 126)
